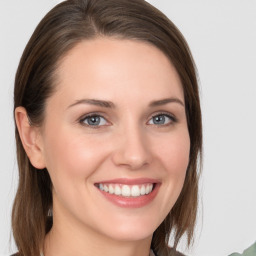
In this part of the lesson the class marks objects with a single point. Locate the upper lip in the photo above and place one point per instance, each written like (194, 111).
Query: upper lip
(128, 181)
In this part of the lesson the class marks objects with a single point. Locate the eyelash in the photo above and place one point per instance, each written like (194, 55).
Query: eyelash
(95, 115)
(172, 118)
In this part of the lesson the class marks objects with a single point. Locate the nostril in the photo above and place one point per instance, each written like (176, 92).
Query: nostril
(132, 150)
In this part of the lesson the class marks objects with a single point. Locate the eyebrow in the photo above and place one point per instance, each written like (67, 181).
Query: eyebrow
(109, 104)
(100, 103)
(165, 101)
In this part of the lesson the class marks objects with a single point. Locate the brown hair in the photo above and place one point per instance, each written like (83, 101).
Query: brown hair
(60, 30)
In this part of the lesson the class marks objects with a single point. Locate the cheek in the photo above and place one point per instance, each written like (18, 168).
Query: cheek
(71, 157)
(174, 153)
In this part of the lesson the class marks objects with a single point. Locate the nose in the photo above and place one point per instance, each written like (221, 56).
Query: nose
(132, 149)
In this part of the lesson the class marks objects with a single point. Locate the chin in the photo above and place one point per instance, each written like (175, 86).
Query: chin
(131, 235)
(131, 230)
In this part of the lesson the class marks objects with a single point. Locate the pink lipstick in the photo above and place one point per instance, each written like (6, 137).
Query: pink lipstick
(129, 193)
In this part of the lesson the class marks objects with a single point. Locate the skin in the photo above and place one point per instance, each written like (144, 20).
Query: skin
(126, 144)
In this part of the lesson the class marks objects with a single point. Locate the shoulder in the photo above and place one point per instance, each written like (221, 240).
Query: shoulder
(251, 251)
(170, 252)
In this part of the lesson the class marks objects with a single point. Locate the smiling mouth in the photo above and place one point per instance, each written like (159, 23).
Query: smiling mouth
(124, 190)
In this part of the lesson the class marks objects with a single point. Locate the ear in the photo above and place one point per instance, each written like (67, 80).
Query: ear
(30, 137)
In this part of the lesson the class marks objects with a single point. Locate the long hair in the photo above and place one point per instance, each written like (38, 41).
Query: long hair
(66, 25)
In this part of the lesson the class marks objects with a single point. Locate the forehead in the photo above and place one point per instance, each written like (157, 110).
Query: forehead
(104, 66)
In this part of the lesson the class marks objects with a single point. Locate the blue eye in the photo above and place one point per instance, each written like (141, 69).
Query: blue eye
(161, 119)
(94, 120)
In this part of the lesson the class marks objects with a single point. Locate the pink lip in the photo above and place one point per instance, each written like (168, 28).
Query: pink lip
(126, 181)
(131, 202)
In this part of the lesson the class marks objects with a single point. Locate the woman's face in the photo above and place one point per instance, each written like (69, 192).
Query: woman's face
(115, 139)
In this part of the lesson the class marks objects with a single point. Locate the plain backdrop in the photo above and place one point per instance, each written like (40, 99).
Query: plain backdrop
(222, 37)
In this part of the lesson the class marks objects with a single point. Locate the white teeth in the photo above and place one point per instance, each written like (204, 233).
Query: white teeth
(149, 188)
(106, 188)
(142, 190)
(111, 189)
(117, 190)
(135, 191)
(127, 190)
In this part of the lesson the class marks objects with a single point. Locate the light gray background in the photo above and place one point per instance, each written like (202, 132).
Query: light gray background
(222, 37)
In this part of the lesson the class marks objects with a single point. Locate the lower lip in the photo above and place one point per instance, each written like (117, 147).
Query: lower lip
(131, 202)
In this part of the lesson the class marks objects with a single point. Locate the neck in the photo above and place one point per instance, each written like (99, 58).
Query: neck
(71, 238)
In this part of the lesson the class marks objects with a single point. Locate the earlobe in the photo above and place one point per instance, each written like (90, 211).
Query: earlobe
(30, 137)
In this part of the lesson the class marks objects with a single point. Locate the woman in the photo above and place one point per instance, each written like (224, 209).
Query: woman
(108, 132)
